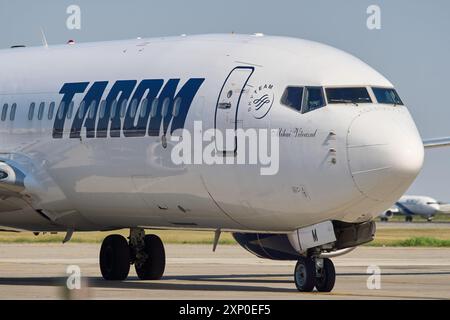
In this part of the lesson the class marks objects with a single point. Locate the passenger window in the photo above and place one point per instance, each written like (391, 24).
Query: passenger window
(82, 110)
(51, 110)
(292, 97)
(144, 106)
(313, 99)
(4, 111)
(123, 108)
(154, 108)
(134, 105)
(92, 109)
(62, 106)
(113, 109)
(70, 111)
(176, 107)
(102, 111)
(41, 111)
(165, 107)
(12, 115)
(31, 111)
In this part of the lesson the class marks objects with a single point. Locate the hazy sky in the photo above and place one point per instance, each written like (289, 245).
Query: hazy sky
(412, 48)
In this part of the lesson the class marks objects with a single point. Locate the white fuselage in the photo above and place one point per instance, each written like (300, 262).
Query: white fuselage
(351, 162)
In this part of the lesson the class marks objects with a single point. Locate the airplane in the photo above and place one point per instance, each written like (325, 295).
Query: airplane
(87, 134)
(410, 206)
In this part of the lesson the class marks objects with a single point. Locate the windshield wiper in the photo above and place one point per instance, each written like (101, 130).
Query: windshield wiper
(342, 101)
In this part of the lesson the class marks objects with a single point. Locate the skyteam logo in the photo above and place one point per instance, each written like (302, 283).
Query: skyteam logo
(261, 101)
(152, 107)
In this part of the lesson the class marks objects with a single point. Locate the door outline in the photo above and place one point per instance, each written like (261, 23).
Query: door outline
(225, 152)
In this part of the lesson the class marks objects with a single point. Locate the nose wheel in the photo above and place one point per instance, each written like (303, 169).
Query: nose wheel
(314, 272)
(325, 275)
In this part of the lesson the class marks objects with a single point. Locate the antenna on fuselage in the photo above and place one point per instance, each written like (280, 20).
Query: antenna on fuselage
(44, 39)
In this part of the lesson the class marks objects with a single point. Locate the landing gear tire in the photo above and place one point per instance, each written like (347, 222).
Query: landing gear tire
(325, 276)
(115, 258)
(305, 275)
(152, 268)
(408, 219)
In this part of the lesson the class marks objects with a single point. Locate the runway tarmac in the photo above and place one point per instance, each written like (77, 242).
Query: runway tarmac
(38, 271)
(412, 225)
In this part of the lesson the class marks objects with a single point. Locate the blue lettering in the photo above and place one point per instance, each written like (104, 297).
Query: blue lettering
(68, 90)
(119, 94)
(186, 95)
(130, 129)
(166, 99)
(165, 108)
(91, 100)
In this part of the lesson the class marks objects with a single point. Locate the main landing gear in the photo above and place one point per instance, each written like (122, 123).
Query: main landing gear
(313, 272)
(146, 252)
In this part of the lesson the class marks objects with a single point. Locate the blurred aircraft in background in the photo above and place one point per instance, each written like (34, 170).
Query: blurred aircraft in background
(422, 206)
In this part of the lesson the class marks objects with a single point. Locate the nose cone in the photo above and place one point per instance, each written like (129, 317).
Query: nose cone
(385, 153)
(431, 209)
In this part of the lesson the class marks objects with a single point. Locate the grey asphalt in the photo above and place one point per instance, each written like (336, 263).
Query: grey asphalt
(38, 271)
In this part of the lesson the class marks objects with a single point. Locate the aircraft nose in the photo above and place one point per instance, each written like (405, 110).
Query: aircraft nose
(436, 207)
(385, 153)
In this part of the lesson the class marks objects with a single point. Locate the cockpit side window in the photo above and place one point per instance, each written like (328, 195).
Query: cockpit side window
(314, 99)
(387, 96)
(293, 97)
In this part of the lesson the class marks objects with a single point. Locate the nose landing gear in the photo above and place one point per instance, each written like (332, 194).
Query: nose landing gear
(146, 252)
(313, 272)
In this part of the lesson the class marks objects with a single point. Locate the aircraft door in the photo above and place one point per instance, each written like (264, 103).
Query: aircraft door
(228, 105)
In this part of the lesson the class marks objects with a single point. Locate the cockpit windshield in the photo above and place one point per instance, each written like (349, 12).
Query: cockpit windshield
(387, 96)
(348, 95)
